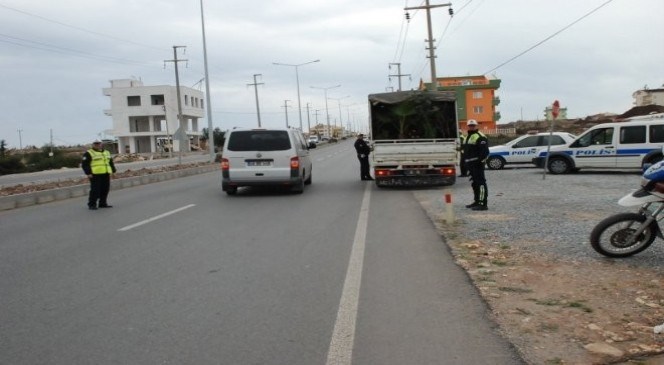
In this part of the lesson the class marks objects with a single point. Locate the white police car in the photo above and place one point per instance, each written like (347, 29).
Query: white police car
(524, 148)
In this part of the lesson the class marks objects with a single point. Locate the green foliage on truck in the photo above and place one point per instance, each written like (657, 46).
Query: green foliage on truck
(413, 115)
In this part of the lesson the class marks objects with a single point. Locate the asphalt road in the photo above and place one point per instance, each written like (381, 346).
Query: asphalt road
(180, 273)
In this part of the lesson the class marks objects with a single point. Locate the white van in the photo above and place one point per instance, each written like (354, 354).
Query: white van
(612, 146)
(260, 157)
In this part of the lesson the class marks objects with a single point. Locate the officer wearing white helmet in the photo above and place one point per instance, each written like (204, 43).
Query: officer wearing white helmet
(475, 152)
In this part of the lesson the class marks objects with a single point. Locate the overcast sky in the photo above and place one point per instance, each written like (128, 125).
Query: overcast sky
(57, 56)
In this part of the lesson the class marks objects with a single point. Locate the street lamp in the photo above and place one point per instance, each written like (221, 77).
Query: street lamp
(327, 113)
(297, 80)
(341, 121)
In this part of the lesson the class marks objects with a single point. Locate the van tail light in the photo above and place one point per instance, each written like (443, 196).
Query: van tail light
(295, 162)
(225, 165)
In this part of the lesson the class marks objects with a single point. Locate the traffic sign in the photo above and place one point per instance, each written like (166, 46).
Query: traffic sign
(555, 110)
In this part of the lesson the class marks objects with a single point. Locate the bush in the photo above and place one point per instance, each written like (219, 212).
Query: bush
(11, 165)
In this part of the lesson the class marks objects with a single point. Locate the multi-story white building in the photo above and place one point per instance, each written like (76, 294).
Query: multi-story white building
(145, 117)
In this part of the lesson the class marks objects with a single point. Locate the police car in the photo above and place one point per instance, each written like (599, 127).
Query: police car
(524, 148)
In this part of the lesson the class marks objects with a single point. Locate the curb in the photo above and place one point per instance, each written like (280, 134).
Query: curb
(47, 196)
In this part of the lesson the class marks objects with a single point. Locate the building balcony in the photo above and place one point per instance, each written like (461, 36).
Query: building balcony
(496, 116)
(496, 101)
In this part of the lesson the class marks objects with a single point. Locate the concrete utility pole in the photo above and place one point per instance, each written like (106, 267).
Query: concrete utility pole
(432, 56)
(20, 140)
(255, 84)
(399, 74)
(207, 91)
(308, 120)
(181, 132)
(286, 110)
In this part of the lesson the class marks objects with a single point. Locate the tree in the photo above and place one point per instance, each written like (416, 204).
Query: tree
(3, 147)
(217, 135)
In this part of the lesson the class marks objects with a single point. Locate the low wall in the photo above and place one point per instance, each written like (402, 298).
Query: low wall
(47, 196)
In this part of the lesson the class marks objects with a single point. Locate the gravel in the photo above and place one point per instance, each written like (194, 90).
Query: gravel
(552, 216)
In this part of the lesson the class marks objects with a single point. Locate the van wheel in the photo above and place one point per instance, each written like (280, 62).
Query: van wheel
(308, 181)
(298, 188)
(558, 165)
(495, 163)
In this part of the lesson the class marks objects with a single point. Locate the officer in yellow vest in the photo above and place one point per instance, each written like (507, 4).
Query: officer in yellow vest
(98, 166)
(476, 151)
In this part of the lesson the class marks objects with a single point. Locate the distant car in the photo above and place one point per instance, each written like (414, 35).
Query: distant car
(259, 157)
(524, 148)
(313, 139)
(333, 140)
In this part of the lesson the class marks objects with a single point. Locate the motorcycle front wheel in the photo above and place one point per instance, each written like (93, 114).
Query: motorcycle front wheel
(612, 237)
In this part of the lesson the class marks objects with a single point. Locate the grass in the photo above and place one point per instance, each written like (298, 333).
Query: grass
(514, 290)
(557, 302)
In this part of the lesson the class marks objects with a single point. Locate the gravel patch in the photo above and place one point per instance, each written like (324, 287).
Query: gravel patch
(552, 216)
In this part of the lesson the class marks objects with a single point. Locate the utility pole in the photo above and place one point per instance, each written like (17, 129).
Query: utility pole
(432, 56)
(207, 90)
(255, 84)
(399, 74)
(286, 110)
(181, 133)
(20, 140)
(308, 120)
(50, 154)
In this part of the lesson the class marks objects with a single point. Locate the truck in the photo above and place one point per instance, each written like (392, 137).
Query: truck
(414, 137)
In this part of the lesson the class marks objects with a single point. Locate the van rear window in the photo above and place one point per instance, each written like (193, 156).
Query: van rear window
(259, 141)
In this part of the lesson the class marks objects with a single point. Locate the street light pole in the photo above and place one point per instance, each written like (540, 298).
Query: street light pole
(297, 80)
(341, 120)
(327, 113)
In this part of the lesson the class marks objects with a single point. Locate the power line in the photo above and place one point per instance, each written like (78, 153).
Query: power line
(63, 50)
(79, 28)
(549, 37)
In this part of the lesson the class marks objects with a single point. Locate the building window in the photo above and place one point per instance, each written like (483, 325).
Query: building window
(157, 99)
(133, 101)
(186, 100)
(478, 109)
(202, 107)
(477, 95)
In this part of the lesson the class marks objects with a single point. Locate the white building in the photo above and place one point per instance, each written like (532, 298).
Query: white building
(145, 117)
(648, 97)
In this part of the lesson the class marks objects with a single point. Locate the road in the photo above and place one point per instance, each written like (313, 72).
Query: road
(62, 174)
(180, 273)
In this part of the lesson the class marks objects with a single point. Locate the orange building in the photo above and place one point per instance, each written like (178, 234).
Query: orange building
(476, 99)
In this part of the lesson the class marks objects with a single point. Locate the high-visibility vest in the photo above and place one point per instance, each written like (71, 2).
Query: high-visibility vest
(99, 162)
(474, 137)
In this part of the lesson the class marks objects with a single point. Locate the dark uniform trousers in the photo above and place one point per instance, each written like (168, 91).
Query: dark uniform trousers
(480, 191)
(364, 166)
(100, 185)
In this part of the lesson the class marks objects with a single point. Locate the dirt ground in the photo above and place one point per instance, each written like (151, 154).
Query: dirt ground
(562, 312)
(553, 311)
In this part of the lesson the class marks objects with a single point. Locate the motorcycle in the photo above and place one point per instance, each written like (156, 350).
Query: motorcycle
(626, 234)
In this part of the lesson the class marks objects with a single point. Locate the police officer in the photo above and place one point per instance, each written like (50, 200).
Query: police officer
(363, 150)
(98, 166)
(476, 151)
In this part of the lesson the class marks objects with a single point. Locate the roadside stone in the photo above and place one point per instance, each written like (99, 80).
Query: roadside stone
(604, 349)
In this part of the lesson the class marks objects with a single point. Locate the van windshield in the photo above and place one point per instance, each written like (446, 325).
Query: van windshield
(259, 141)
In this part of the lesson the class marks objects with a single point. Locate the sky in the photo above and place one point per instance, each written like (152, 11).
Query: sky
(57, 56)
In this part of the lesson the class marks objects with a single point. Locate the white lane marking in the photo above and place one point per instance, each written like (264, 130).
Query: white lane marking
(131, 226)
(343, 337)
